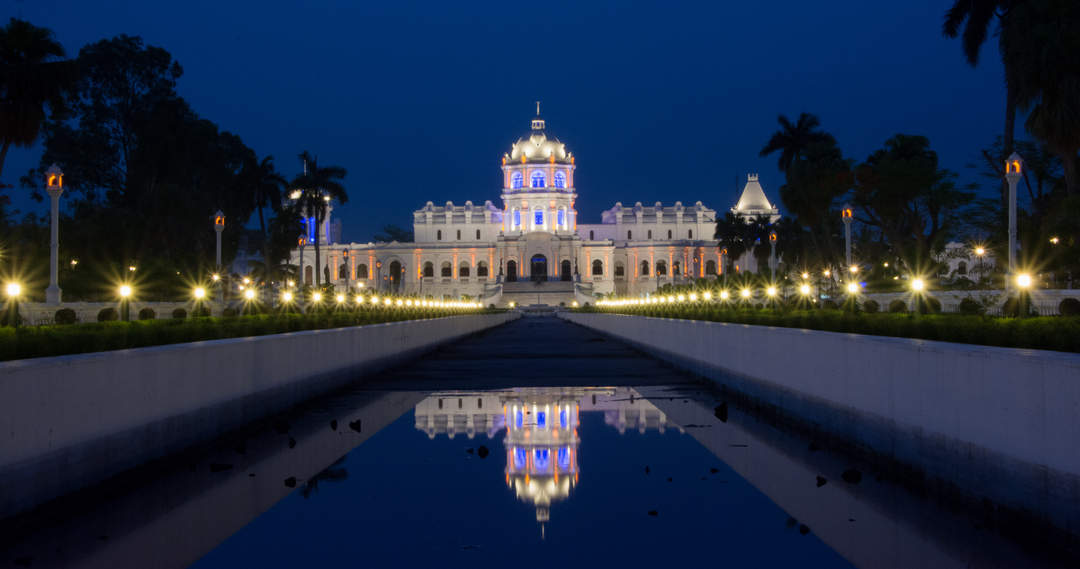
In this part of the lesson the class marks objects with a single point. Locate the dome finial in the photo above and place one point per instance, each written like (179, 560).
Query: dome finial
(538, 108)
(538, 123)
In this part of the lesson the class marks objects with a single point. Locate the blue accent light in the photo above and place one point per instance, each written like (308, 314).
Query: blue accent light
(537, 179)
(560, 179)
(538, 217)
(517, 180)
(519, 458)
(562, 419)
(541, 419)
(564, 458)
(541, 459)
(519, 419)
(517, 218)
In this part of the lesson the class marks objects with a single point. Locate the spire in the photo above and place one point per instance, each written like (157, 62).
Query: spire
(538, 123)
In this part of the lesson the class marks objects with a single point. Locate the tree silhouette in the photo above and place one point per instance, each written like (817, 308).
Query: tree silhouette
(318, 186)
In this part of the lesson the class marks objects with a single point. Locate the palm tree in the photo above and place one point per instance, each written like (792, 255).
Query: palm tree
(31, 79)
(318, 186)
(263, 184)
(792, 140)
(975, 18)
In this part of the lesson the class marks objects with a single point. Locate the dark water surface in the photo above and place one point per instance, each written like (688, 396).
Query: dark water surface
(536, 443)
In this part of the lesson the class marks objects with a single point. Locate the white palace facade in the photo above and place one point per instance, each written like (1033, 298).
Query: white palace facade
(531, 249)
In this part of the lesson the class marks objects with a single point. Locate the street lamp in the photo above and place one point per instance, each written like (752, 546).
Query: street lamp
(125, 292)
(219, 226)
(1013, 167)
(1023, 282)
(772, 254)
(54, 179)
(13, 291)
(847, 214)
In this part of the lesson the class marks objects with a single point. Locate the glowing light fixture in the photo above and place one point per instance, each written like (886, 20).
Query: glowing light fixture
(199, 293)
(745, 293)
(286, 296)
(980, 251)
(215, 277)
(249, 294)
(13, 290)
(771, 291)
(918, 285)
(1023, 280)
(707, 296)
(805, 276)
(805, 290)
(724, 295)
(125, 291)
(340, 298)
(852, 288)
(316, 297)
(854, 269)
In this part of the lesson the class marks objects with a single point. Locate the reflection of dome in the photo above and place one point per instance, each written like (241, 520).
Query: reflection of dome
(537, 147)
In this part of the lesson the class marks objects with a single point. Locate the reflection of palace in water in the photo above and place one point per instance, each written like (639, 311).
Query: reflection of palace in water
(541, 430)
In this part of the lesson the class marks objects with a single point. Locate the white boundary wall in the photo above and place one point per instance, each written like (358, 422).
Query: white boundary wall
(69, 421)
(1024, 404)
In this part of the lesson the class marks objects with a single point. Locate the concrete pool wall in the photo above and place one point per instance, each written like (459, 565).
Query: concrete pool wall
(1001, 422)
(71, 421)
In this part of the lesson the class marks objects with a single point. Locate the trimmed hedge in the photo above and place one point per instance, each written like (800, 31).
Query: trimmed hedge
(42, 341)
(1043, 333)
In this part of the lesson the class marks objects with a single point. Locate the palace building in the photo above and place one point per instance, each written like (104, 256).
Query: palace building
(531, 249)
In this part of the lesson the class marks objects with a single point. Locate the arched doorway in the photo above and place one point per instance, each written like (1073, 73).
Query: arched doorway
(538, 268)
(564, 270)
(395, 276)
(511, 271)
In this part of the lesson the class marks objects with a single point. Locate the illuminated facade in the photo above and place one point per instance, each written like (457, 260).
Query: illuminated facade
(490, 252)
(542, 431)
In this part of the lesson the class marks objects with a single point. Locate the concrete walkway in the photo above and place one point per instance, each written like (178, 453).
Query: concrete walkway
(531, 352)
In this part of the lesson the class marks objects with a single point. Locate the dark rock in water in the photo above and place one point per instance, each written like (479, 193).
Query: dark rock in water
(821, 481)
(219, 467)
(803, 530)
(852, 476)
(292, 442)
(470, 450)
(714, 470)
(791, 522)
(470, 547)
(355, 425)
(669, 479)
(647, 469)
(290, 482)
(653, 513)
(251, 475)
(721, 412)
(482, 452)
(333, 424)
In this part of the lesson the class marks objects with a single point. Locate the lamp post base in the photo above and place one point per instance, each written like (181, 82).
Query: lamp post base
(52, 294)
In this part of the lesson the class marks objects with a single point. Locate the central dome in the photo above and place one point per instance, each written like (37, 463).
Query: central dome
(537, 147)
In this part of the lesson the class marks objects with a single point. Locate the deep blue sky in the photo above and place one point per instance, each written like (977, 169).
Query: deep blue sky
(659, 101)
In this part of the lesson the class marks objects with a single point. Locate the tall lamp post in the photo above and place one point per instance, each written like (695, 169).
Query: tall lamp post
(772, 255)
(54, 179)
(219, 226)
(1012, 174)
(846, 214)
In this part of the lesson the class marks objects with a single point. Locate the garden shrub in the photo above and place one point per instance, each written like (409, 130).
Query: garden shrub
(971, 307)
(898, 306)
(108, 314)
(201, 311)
(65, 316)
(1069, 307)
(229, 312)
(871, 307)
(179, 313)
(147, 314)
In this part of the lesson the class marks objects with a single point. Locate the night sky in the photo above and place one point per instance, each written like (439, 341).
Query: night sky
(658, 101)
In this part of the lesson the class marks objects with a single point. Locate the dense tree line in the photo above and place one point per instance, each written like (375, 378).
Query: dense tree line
(144, 172)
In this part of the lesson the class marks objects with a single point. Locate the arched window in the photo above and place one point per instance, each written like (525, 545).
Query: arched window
(597, 267)
(447, 269)
(689, 233)
(661, 268)
(459, 235)
(477, 234)
(537, 179)
(650, 234)
(710, 267)
(307, 274)
(629, 234)
(463, 270)
(481, 269)
(669, 234)
(429, 269)
(961, 269)
(361, 271)
(644, 268)
(562, 218)
(620, 270)
(517, 180)
(538, 218)
(560, 179)
(676, 269)
(438, 235)
(592, 235)
(343, 271)
(517, 218)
